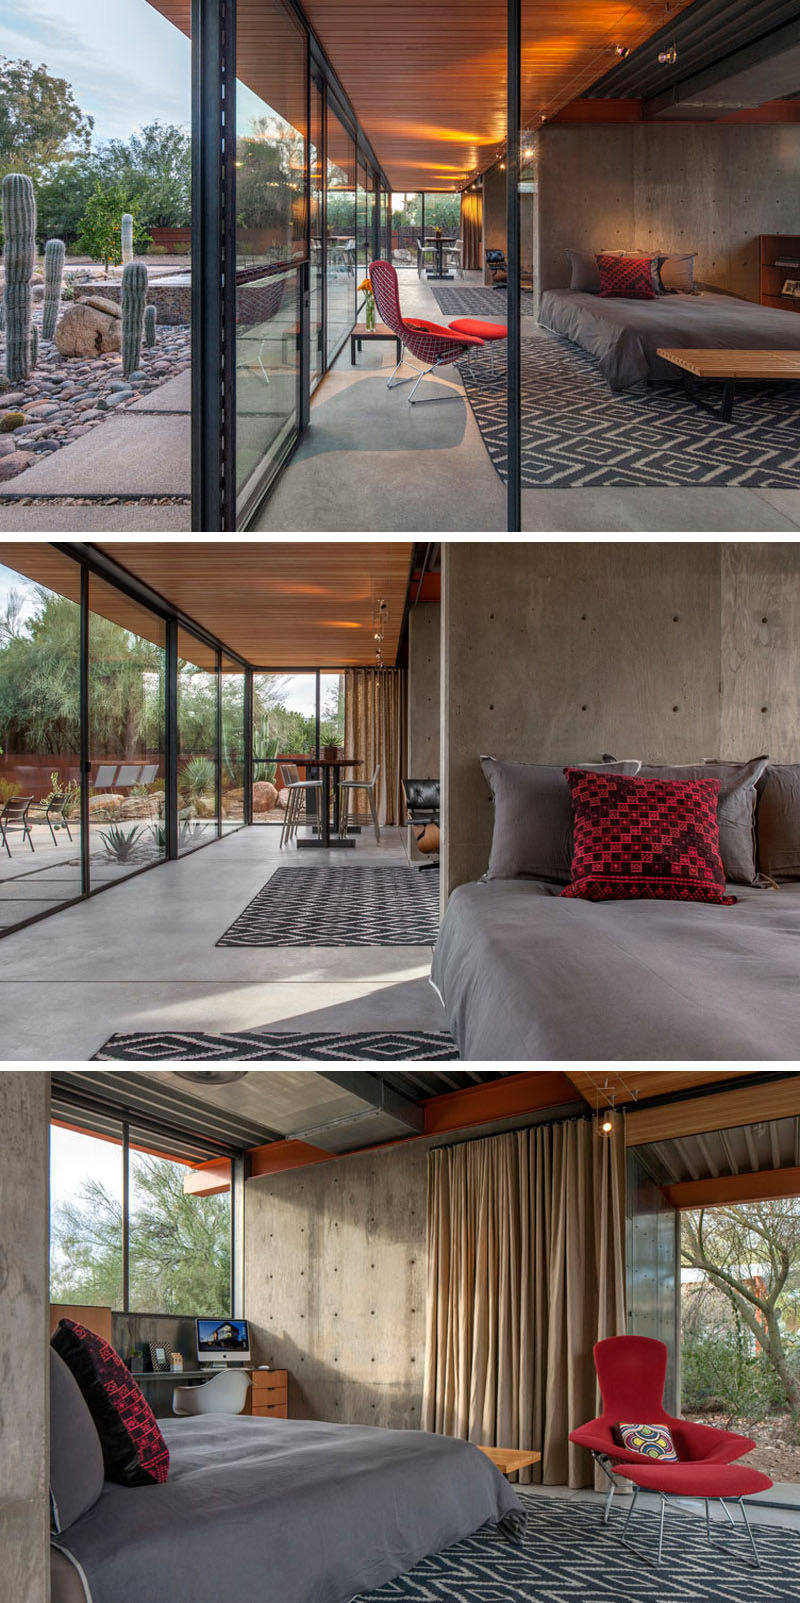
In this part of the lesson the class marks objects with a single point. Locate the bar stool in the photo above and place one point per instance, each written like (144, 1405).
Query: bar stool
(368, 786)
(297, 801)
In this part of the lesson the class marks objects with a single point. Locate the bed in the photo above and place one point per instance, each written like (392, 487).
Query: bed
(524, 973)
(279, 1511)
(623, 334)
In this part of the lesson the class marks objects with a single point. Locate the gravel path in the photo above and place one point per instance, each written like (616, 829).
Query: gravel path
(66, 397)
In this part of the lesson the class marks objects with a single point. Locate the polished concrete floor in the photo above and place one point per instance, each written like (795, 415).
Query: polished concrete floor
(784, 1510)
(142, 956)
(373, 464)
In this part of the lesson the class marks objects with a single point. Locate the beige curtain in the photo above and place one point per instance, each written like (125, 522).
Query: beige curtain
(526, 1271)
(472, 227)
(375, 715)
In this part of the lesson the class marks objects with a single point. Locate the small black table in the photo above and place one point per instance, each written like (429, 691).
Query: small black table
(361, 333)
(439, 245)
(324, 841)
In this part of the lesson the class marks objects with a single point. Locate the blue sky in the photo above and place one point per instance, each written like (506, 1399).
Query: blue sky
(127, 65)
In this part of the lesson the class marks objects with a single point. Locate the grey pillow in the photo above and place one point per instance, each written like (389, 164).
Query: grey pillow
(76, 1457)
(533, 817)
(778, 821)
(735, 810)
(585, 271)
(677, 274)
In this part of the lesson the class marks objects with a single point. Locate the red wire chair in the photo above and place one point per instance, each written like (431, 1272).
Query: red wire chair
(428, 342)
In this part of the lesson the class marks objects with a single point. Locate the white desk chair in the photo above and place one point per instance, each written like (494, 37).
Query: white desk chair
(225, 1393)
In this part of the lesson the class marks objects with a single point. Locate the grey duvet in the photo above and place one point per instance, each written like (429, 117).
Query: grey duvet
(524, 973)
(624, 334)
(283, 1511)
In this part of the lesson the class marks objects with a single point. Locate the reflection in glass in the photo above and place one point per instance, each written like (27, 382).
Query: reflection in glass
(198, 763)
(284, 730)
(341, 253)
(127, 667)
(40, 780)
(316, 266)
(267, 377)
(406, 228)
(232, 687)
(270, 135)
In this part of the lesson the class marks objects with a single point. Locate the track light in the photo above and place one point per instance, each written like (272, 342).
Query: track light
(622, 51)
(668, 58)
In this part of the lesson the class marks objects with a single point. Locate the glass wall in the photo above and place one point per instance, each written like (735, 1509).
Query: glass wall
(316, 266)
(40, 775)
(127, 737)
(341, 233)
(331, 700)
(232, 689)
(85, 1218)
(442, 211)
(284, 730)
(406, 228)
(271, 232)
(198, 757)
(179, 1244)
(366, 210)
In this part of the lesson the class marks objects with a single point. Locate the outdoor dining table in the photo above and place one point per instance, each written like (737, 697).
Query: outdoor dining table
(440, 246)
(324, 840)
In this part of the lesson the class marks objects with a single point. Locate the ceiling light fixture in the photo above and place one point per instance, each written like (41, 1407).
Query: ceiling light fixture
(622, 51)
(214, 1076)
(668, 58)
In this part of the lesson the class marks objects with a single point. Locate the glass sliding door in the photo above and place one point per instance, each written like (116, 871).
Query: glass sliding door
(365, 198)
(284, 731)
(331, 703)
(198, 753)
(406, 229)
(127, 735)
(40, 693)
(271, 238)
(341, 233)
(316, 265)
(232, 766)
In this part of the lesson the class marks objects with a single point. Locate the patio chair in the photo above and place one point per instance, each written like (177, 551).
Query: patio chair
(351, 787)
(104, 778)
(631, 1371)
(454, 257)
(428, 342)
(297, 808)
(56, 815)
(424, 250)
(14, 815)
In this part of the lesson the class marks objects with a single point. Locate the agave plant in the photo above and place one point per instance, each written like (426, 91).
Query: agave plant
(121, 843)
(197, 777)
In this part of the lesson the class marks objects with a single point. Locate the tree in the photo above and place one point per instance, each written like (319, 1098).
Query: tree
(155, 168)
(62, 196)
(179, 1245)
(751, 1254)
(100, 226)
(40, 120)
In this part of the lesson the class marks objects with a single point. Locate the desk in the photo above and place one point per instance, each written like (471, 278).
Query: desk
(159, 1395)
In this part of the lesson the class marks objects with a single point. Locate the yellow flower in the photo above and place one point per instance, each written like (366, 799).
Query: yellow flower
(365, 287)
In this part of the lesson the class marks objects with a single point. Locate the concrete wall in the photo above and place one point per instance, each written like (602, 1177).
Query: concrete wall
(24, 1377)
(708, 187)
(557, 652)
(335, 1278)
(424, 689)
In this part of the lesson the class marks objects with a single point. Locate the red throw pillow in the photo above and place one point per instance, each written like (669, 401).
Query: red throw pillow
(630, 276)
(134, 1450)
(645, 838)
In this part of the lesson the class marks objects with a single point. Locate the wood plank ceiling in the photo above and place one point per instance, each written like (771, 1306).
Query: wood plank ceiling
(428, 82)
(628, 1086)
(280, 604)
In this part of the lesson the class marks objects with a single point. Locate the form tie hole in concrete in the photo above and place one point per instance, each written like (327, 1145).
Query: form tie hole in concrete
(676, 619)
(763, 709)
(584, 707)
(676, 708)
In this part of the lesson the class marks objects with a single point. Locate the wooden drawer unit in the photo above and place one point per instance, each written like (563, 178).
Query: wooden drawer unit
(269, 1393)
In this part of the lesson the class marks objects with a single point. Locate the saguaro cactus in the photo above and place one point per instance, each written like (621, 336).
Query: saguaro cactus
(134, 300)
(150, 320)
(19, 229)
(127, 238)
(53, 273)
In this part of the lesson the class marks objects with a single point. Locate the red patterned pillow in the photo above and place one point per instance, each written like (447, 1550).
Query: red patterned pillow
(630, 276)
(134, 1450)
(645, 838)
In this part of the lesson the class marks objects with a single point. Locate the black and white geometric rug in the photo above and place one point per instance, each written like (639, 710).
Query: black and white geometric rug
(567, 1555)
(278, 1046)
(577, 433)
(479, 302)
(345, 906)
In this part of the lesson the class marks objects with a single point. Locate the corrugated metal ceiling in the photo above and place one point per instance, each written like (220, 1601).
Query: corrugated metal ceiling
(748, 1149)
(704, 34)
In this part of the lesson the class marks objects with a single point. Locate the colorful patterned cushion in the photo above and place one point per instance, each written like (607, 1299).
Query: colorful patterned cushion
(645, 838)
(654, 1441)
(628, 276)
(134, 1450)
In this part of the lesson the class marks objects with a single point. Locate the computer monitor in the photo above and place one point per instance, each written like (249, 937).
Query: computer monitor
(223, 1341)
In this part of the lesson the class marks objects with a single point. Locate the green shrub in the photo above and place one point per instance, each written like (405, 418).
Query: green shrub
(719, 1375)
(8, 789)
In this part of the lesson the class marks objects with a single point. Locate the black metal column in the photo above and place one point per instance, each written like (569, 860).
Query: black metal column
(213, 265)
(514, 98)
(126, 1217)
(171, 747)
(85, 755)
(219, 745)
(248, 746)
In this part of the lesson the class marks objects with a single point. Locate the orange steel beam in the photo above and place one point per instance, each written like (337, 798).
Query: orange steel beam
(278, 1156)
(208, 1179)
(516, 1093)
(761, 1187)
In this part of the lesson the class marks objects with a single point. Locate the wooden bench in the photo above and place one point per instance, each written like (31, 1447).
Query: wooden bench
(728, 366)
(379, 332)
(511, 1459)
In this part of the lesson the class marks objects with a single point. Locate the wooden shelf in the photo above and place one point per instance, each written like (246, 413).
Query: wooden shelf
(773, 275)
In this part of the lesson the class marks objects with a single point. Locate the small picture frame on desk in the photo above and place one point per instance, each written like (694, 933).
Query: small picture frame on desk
(159, 1362)
(791, 287)
(176, 1363)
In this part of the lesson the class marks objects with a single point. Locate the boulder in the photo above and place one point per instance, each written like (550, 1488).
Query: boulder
(264, 796)
(283, 798)
(14, 463)
(106, 805)
(85, 331)
(102, 303)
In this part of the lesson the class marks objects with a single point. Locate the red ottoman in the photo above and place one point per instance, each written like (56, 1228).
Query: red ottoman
(687, 1479)
(481, 331)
